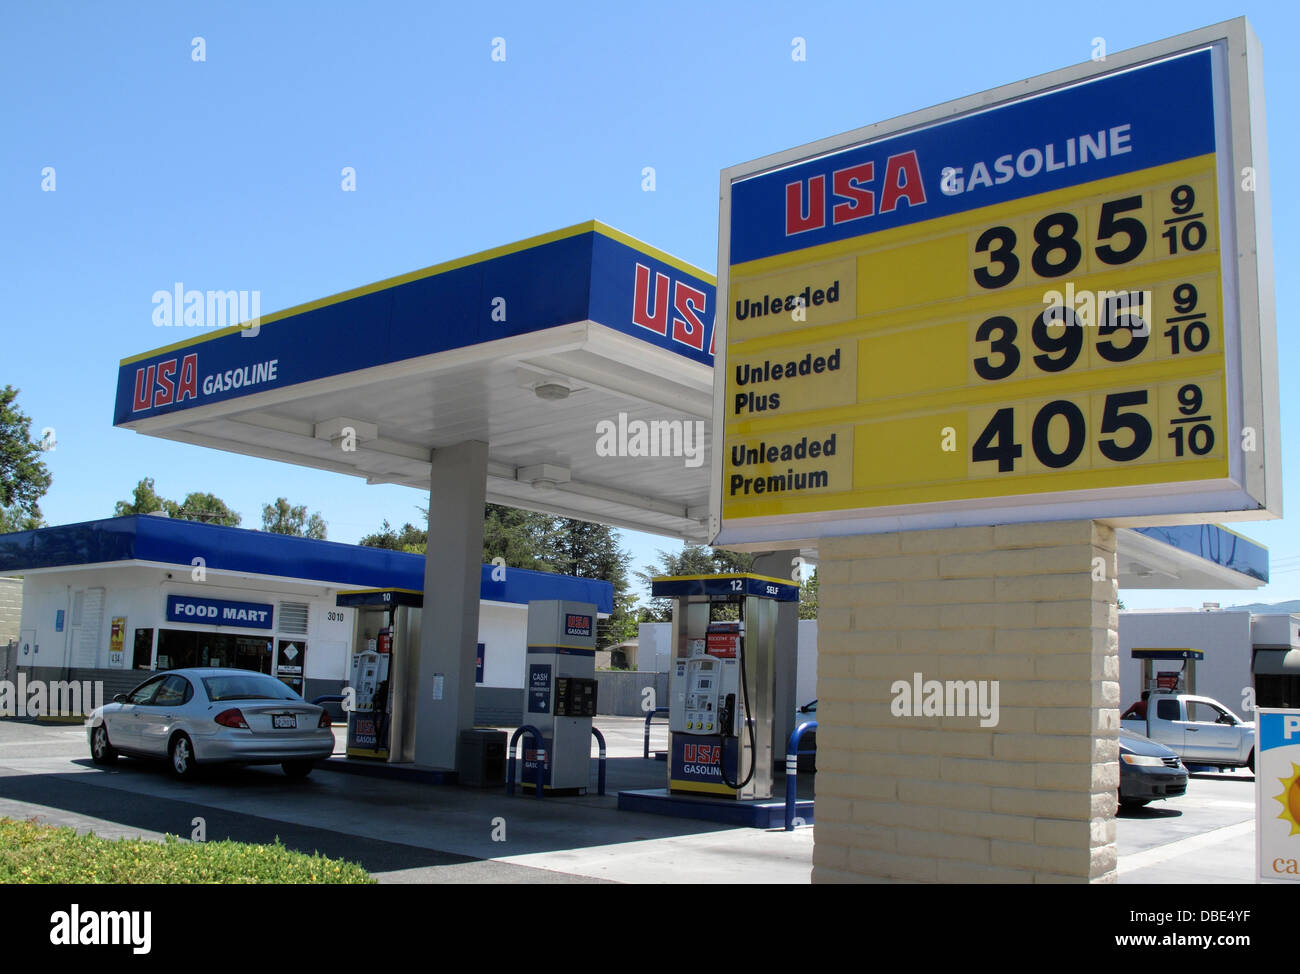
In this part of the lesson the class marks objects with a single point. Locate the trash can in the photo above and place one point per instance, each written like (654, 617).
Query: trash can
(481, 758)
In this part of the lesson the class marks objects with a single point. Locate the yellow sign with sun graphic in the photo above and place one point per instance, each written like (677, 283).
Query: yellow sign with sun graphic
(1290, 799)
(1277, 833)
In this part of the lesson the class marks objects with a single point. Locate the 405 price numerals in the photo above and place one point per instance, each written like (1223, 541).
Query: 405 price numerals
(1125, 426)
(1062, 243)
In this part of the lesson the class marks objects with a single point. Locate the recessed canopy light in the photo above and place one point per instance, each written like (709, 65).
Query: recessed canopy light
(551, 391)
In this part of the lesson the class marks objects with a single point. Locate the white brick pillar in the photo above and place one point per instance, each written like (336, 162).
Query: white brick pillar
(942, 798)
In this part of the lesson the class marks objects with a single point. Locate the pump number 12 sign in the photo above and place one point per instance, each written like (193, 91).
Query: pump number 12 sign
(1052, 300)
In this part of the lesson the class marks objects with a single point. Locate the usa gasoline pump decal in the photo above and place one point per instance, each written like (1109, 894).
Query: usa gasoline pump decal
(576, 624)
(697, 759)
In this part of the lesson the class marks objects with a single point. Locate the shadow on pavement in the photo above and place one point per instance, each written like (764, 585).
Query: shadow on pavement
(454, 813)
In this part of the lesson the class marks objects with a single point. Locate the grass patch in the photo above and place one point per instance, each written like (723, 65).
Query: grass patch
(34, 853)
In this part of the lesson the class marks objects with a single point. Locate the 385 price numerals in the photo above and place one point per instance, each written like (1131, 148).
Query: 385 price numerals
(1121, 237)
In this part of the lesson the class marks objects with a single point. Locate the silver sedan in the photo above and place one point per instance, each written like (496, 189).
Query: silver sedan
(212, 716)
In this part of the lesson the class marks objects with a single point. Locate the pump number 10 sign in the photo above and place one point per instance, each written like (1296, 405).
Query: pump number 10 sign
(1011, 308)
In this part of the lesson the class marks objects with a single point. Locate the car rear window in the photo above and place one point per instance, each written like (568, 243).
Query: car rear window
(253, 686)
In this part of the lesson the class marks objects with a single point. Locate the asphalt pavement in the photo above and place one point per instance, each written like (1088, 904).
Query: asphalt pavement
(405, 832)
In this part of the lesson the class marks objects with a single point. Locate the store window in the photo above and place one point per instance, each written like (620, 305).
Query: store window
(183, 649)
(1277, 690)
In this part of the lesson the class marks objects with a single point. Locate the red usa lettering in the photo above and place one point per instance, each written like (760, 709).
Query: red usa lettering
(160, 385)
(702, 753)
(651, 311)
(849, 197)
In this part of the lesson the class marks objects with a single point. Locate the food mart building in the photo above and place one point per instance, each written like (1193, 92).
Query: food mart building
(106, 600)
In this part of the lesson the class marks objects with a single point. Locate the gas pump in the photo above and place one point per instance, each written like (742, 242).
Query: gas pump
(723, 681)
(1181, 680)
(561, 693)
(386, 644)
(368, 720)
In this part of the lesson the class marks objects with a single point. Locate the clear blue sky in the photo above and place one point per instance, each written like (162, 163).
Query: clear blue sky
(225, 174)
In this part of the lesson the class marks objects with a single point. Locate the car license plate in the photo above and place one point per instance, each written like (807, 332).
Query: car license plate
(284, 720)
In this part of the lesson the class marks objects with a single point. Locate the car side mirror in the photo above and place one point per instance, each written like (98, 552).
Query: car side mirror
(119, 698)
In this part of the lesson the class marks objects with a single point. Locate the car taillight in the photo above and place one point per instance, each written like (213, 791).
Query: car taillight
(325, 719)
(231, 718)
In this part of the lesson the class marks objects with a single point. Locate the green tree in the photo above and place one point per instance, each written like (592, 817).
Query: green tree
(523, 539)
(691, 560)
(544, 543)
(145, 500)
(410, 538)
(197, 506)
(208, 508)
(13, 519)
(590, 550)
(808, 597)
(284, 518)
(24, 478)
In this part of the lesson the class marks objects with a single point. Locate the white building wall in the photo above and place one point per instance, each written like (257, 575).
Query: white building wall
(654, 646)
(1224, 637)
(140, 594)
(806, 675)
(329, 640)
(503, 631)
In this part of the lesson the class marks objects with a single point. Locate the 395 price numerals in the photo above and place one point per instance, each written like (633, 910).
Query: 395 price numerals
(1028, 343)
(1123, 427)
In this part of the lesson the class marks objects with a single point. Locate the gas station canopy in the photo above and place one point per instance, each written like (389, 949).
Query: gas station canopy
(583, 358)
(527, 347)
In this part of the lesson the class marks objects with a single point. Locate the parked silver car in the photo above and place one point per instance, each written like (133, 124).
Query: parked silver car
(212, 716)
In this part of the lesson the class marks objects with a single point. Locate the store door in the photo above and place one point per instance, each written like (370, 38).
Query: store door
(289, 662)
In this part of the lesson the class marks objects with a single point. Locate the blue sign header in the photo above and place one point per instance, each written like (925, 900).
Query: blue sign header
(1279, 730)
(1119, 123)
(587, 272)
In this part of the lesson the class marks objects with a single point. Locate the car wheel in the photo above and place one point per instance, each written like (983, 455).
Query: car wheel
(101, 752)
(180, 757)
(1250, 761)
(297, 769)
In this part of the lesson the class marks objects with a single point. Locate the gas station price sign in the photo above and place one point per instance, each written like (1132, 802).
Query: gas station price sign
(1052, 300)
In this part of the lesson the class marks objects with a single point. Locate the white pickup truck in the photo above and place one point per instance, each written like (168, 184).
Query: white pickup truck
(1200, 730)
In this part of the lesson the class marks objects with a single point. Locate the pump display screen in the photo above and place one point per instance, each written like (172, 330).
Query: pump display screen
(575, 697)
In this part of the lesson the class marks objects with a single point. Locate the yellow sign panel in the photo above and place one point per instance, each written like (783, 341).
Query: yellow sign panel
(1043, 368)
(1045, 320)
